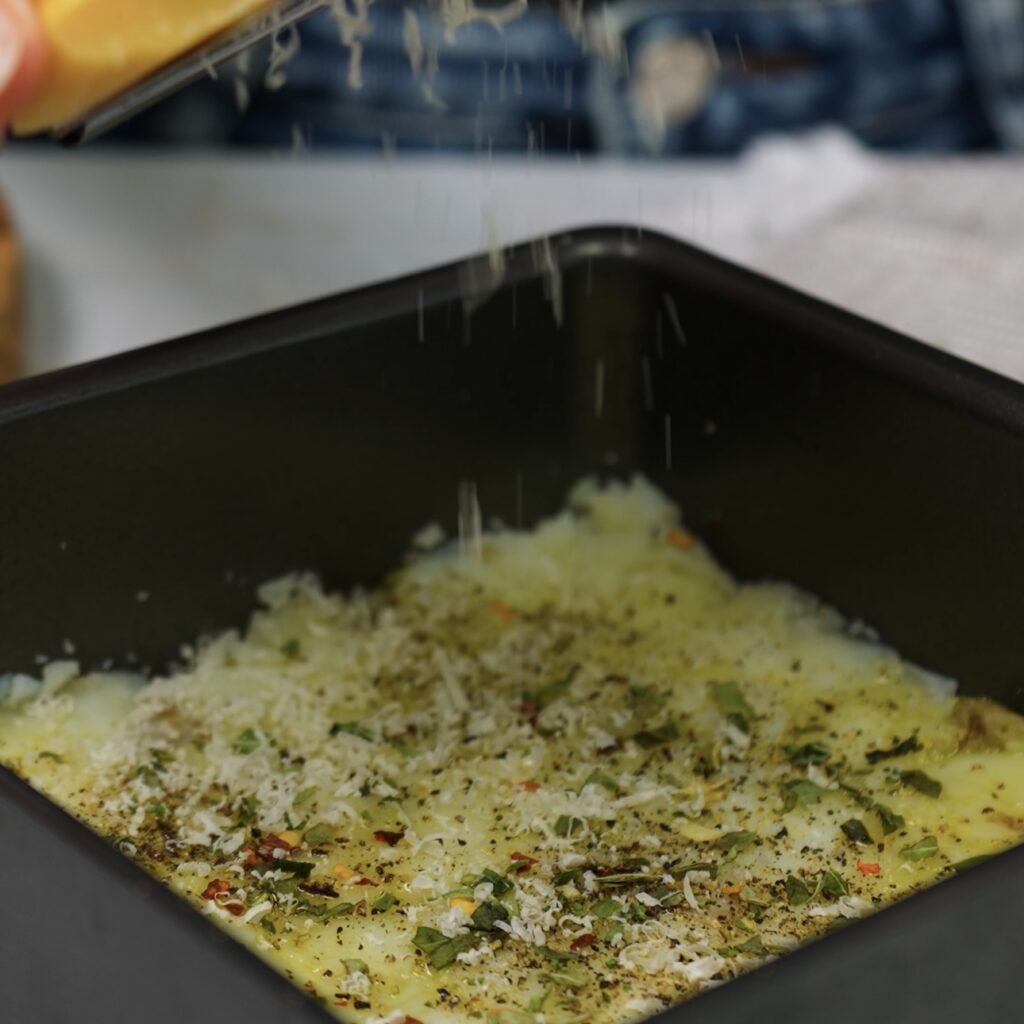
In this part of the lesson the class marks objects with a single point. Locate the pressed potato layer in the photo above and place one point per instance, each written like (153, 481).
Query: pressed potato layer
(581, 776)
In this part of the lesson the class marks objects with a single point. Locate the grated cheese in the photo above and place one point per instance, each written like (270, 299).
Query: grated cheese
(456, 14)
(354, 27)
(284, 47)
(412, 40)
(583, 755)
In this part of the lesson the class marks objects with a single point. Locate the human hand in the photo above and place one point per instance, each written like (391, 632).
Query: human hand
(22, 57)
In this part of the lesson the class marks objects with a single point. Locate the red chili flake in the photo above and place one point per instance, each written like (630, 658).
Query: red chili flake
(530, 785)
(270, 843)
(388, 837)
(364, 881)
(505, 613)
(523, 862)
(680, 539)
(529, 709)
(584, 941)
(412, 1020)
(235, 909)
(215, 888)
(868, 869)
(251, 858)
(601, 870)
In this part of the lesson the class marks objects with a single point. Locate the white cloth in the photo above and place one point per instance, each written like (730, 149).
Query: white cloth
(123, 250)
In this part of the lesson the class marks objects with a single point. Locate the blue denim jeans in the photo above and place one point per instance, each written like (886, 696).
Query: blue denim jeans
(658, 77)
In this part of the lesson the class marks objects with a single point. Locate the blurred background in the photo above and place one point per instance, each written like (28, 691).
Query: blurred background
(864, 150)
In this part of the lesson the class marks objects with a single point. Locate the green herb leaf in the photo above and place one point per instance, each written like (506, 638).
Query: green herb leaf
(267, 925)
(353, 729)
(898, 749)
(555, 955)
(855, 831)
(635, 863)
(161, 758)
(555, 691)
(300, 868)
(889, 819)
(536, 1003)
(622, 878)
(356, 966)
(246, 743)
(752, 947)
(567, 876)
(755, 908)
(797, 892)
(319, 834)
(291, 648)
(567, 978)
(248, 808)
(49, 755)
(439, 950)
(303, 795)
(921, 850)
(648, 692)
(283, 886)
(648, 739)
(428, 939)
(834, 885)
(337, 910)
(733, 705)
(598, 778)
(606, 909)
(706, 760)
(733, 841)
(921, 782)
(566, 826)
(385, 901)
(485, 916)
(755, 947)
(807, 753)
(800, 791)
(500, 884)
(158, 810)
(859, 795)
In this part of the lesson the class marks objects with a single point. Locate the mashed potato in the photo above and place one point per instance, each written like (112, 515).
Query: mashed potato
(581, 776)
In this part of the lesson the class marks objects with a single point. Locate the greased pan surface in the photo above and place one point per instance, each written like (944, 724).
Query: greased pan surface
(144, 497)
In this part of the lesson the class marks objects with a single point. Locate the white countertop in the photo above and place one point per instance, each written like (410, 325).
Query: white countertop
(125, 249)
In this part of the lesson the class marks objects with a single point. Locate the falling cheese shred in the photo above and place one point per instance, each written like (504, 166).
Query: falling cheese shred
(576, 773)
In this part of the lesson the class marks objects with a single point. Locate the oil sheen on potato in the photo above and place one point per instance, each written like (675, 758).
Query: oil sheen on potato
(581, 777)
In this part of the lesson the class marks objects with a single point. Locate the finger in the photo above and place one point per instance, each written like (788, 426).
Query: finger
(22, 56)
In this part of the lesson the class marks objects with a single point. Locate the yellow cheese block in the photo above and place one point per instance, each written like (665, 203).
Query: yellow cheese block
(99, 47)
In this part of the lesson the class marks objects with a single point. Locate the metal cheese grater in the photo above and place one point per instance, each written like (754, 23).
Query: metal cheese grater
(187, 69)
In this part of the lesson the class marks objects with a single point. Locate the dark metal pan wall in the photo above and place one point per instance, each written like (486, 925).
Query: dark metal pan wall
(143, 497)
